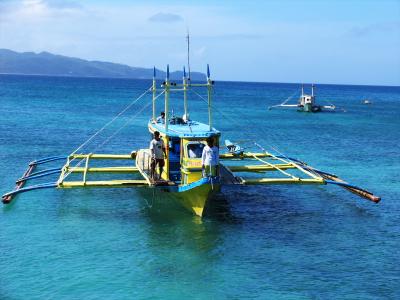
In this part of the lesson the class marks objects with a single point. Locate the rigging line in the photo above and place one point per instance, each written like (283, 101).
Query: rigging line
(109, 138)
(111, 121)
(235, 122)
(275, 167)
(299, 166)
(127, 122)
(287, 99)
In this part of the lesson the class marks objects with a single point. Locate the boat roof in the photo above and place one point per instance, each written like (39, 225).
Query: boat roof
(190, 129)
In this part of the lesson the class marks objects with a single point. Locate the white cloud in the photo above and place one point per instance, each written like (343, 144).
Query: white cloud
(100, 30)
(165, 18)
(37, 10)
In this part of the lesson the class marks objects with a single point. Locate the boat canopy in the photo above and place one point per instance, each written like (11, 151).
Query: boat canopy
(189, 129)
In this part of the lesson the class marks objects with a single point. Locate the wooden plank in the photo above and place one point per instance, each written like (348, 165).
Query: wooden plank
(244, 155)
(105, 170)
(104, 183)
(260, 168)
(256, 181)
(105, 156)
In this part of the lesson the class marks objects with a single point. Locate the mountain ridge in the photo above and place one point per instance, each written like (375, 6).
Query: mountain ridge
(49, 64)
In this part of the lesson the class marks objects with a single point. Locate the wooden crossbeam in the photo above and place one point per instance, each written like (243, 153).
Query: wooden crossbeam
(104, 183)
(255, 181)
(259, 168)
(105, 156)
(105, 170)
(244, 155)
(278, 169)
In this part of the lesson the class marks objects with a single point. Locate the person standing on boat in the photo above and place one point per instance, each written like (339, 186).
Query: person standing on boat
(161, 118)
(157, 149)
(210, 158)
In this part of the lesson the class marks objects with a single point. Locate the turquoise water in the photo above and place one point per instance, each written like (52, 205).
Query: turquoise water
(271, 242)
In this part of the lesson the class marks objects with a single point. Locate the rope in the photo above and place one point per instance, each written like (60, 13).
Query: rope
(110, 122)
(127, 123)
(243, 119)
(275, 167)
(273, 147)
(113, 135)
(295, 163)
(284, 102)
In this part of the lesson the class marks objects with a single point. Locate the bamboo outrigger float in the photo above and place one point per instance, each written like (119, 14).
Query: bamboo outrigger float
(182, 178)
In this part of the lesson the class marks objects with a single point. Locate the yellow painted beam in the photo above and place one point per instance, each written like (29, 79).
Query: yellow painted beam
(105, 170)
(259, 168)
(245, 155)
(104, 183)
(255, 181)
(105, 156)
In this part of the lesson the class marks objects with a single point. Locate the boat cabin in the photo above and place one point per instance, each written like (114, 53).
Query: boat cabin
(184, 139)
(307, 100)
(184, 147)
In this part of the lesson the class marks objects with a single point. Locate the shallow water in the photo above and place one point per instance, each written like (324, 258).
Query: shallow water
(276, 242)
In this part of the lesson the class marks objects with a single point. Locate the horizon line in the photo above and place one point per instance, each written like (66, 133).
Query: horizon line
(217, 80)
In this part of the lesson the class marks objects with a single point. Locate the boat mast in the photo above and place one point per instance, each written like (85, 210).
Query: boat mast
(185, 94)
(188, 57)
(154, 94)
(166, 87)
(209, 90)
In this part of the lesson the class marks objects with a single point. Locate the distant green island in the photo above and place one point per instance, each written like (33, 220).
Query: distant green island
(48, 64)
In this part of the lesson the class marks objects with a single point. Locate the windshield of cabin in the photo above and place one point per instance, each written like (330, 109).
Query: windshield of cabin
(195, 150)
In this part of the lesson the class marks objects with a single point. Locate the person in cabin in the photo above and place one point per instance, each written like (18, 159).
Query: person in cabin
(210, 158)
(161, 118)
(157, 149)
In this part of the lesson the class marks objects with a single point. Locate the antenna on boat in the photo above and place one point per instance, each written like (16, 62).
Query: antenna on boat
(312, 90)
(185, 115)
(209, 89)
(154, 93)
(302, 90)
(188, 52)
(166, 86)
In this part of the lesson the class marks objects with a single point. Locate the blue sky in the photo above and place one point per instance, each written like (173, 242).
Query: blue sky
(350, 42)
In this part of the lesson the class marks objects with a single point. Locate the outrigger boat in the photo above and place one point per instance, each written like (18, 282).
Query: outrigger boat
(182, 178)
(306, 103)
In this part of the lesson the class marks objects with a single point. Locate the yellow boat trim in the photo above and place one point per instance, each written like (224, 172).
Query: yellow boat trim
(244, 155)
(104, 183)
(297, 166)
(254, 181)
(259, 168)
(105, 156)
(105, 169)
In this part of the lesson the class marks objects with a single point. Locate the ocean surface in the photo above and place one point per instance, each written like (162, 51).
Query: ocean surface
(259, 242)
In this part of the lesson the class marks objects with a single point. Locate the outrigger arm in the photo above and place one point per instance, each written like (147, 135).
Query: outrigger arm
(305, 173)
